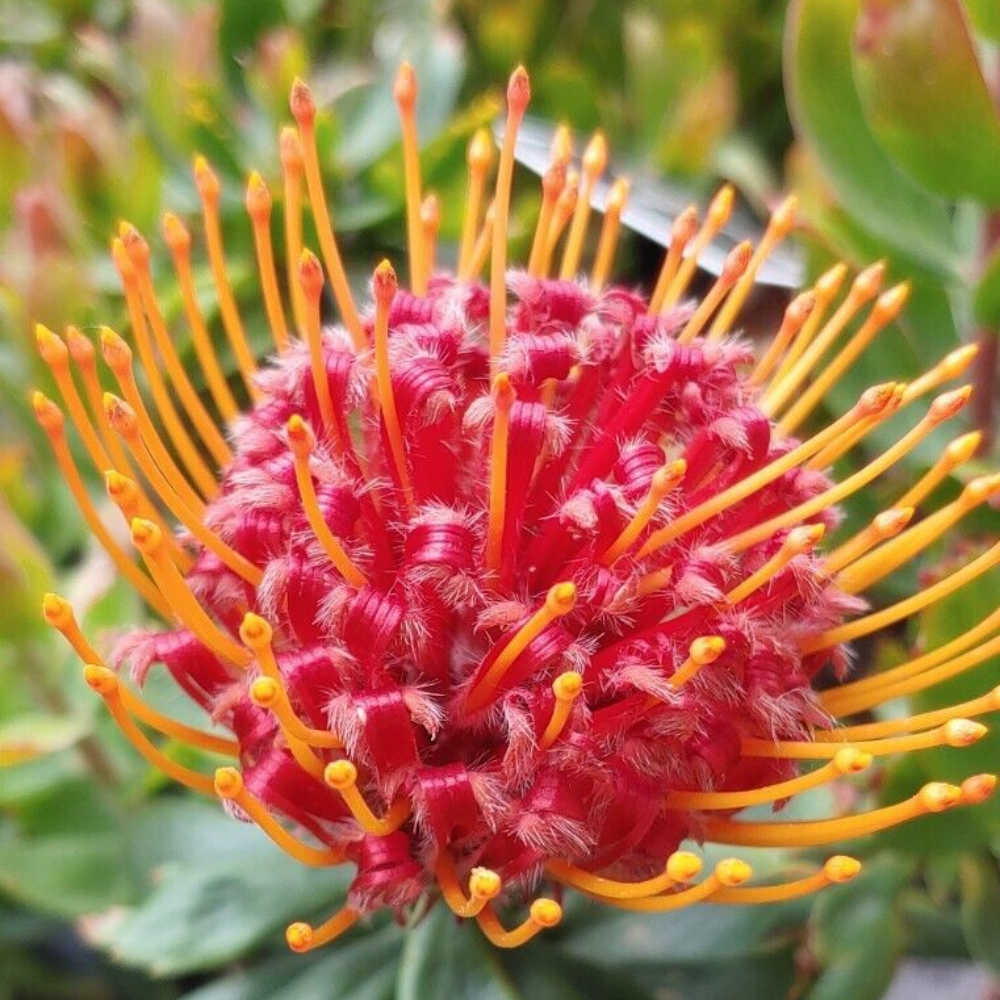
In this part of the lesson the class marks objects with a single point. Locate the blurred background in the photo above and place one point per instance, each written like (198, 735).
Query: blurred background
(882, 114)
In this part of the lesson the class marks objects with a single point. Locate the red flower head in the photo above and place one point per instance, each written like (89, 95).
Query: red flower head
(499, 589)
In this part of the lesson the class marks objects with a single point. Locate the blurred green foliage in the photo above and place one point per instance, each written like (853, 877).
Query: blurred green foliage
(113, 884)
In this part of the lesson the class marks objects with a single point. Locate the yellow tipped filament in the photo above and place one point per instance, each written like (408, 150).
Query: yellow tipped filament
(504, 397)
(566, 688)
(267, 692)
(681, 233)
(430, 224)
(105, 683)
(595, 159)
(932, 798)
(58, 613)
(303, 937)
(837, 870)
(703, 651)
(607, 244)
(300, 439)
(291, 169)
(342, 776)
(228, 784)
(560, 600)
(544, 913)
(553, 184)
(729, 873)
(664, 480)
(405, 93)
(208, 188)
(681, 867)
(518, 95)
(799, 310)
(957, 453)
(718, 214)
(311, 283)
(950, 367)
(304, 112)
(848, 760)
(886, 525)
(781, 223)
(484, 885)
(735, 265)
(179, 241)
(259, 209)
(797, 542)
(479, 159)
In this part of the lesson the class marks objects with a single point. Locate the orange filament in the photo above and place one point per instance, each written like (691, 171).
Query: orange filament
(566, 688)
(119, 359)
(886, 525)
(543, 913)
(951, 366)
(553, 184)
(384, 286)
(706, 649)
(179, 241)
(718, 214)
(138, 252)
(311, 284)
(518, 95)
(405, 93)
(430, 225)
(561, 214)
(728, 873)
(735, 265)
(300, 439)
(957, 453)
(58, 613)
(259, 210)
(887, 307)
(228, 784)
(199, 472)
(208, 188)
(481, 248)
(954, 733)
(798, 311)
(934, 797)
(51, 419)
(342, 776)
(105, 683)
(943, 408)
(484, 885)
(607, 244)
(504, 396)
(880, 563)
(681, 867)
(303, 937)
(681, 233)
(797, 542)
(873, 400)
(848, 760)
(291, 169)
(781, 223)
(984, 704)
(148, 539)
(664, 480)
(268, 692)
(864, 289)
(479, 159)
(304, 112)
(837, 870)
(595, 160)
(905, 608)
(560, 600)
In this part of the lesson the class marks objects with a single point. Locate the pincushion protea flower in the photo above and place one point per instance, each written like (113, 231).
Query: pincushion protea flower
(501, 589)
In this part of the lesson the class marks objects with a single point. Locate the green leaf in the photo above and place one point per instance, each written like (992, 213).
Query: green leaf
(30, 736)
(925, 98)
(827, 113)
(985, 17)
(986, 300)
(448, 959)
(980, 877)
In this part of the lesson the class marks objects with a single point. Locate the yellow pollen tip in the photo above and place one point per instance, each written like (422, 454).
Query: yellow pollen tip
(784, 216)
(50, 345)
(722, 205)
(851, 761)
(117, 353)
(736, 262)
(255, 632)
(264, 692)
(301, 103)
(841, 868)
(56, 611)
(889, 304)
(404, 89)
(480, 154)
(595, 156)
(228, 782)
(682, 866)
(146, 536)
(518, 91)
(936, 796)
(707, 649)
(384, 282)
(685, 226)
(100, 679)
(562, 145)
(868, 282)
(484, 883)
(175, 233)
(955, 362)
(47, 413)
(567, 686)
(504, 393)
(310, 275)
(300, 435)
(120, 489)
(545, 912)
(205, 179)
(340, 775)
(561, 598)
(978, 788)
(258, 198)
(948, 404)
(299, 936)
(618, 195)
(963, 448)
(804, 539)
(122, 260)
(830, 281)
(963, 732)
(732, 872)
(875, 399)
(891, 522)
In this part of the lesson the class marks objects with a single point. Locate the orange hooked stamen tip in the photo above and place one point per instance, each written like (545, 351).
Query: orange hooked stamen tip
(484, 883)
(732, 872)
(545, 912)
(255, 632)
(56, 610)
(841, 868)
(100, 679)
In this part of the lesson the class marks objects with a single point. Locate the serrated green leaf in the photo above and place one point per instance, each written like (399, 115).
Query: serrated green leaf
(980, 880)
(827, 113)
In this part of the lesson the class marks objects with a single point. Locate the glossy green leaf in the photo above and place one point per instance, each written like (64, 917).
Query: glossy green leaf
(827, 112)
(925, 98)
(986, 301)
(980, 878)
